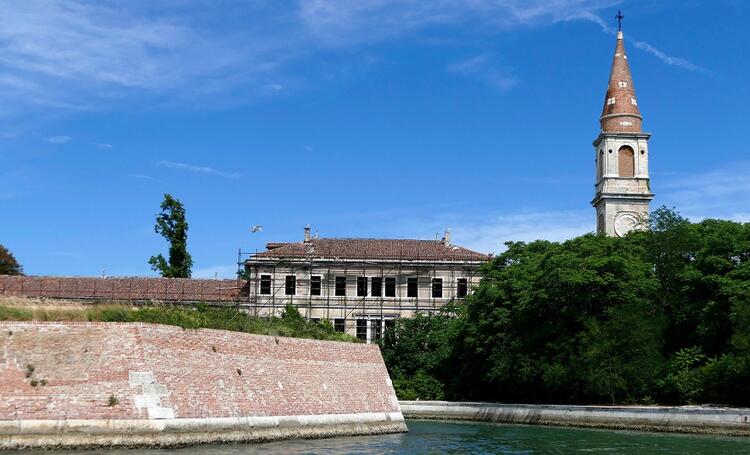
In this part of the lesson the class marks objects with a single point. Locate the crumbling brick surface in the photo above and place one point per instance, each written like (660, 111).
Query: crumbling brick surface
(164, 289)
(82, 370)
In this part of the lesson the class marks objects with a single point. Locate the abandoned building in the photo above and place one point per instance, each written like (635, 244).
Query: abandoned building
(360, 285)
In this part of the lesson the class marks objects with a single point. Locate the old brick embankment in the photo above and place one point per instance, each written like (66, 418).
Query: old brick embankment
(111, 384)
(124, 289)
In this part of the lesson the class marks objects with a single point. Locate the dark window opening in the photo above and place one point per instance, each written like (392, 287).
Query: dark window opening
(265, 284)
(390, 287)
(339, 325)
(377, 287)
(411, 287)
(463, 288)
(362, 329)
(361, 286)
(314, 285)
(390, 323)
(377, 328)
(314, 320)
(437, 288)
(290, 286)
(340, 286)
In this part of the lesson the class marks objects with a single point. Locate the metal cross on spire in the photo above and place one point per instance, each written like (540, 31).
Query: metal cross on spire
(619, 18)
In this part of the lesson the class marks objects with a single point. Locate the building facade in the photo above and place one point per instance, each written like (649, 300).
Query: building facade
(623, 191)
(360, 285)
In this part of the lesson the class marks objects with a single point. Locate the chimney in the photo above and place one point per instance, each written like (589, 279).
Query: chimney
(307, 234)
(447, 237)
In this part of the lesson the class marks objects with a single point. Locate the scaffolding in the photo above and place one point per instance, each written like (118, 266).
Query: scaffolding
(352, 307)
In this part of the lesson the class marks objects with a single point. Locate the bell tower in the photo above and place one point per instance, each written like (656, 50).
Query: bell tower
(622, 185)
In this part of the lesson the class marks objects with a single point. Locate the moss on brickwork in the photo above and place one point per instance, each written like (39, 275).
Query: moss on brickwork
(290, 324)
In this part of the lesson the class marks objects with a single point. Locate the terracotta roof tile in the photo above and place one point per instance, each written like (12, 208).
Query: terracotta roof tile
(389, 249)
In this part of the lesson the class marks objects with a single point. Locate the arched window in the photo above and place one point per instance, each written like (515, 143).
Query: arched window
(626, 161)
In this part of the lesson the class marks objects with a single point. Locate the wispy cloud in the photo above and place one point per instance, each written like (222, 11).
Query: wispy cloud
(642, 45)
(717, 193)
(339, 23)
(485, 69)
(217, 271)
(103, 146)
(198, 169)
(59, 139)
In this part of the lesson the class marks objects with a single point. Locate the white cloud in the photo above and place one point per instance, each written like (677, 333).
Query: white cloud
(217, 271)
(59, 139)
(484, 68)
(490, 234)
(103, 146)
(717, 193)
(339, 23)
(199, 169)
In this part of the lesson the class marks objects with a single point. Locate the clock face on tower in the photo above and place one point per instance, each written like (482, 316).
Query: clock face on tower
(626, 222)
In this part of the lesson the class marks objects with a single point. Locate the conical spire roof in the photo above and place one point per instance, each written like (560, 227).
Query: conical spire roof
(621, 113)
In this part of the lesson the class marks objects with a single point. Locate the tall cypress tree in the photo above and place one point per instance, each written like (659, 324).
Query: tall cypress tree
(172, 225)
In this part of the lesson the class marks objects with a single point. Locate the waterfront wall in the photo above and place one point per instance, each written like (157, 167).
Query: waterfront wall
(120, 289)
(683, 419)
(111, 384)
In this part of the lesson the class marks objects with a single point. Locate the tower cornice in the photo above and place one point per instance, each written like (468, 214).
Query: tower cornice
(620, 135)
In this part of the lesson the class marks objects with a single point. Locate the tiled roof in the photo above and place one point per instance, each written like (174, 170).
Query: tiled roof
(388, 249)
(620, 112)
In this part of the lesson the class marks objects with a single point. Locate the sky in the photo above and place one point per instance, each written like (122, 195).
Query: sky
(367, 118)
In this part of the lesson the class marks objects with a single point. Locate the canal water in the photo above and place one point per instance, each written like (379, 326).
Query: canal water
(475, 438)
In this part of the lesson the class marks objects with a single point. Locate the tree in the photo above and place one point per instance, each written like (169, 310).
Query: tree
(8, 263)
(171, 225)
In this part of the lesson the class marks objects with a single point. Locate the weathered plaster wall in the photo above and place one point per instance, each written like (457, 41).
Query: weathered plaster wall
(684, 419)
(59, 383)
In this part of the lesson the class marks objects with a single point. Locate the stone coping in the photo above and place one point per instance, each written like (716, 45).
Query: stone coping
(59, 434)
(683, 419)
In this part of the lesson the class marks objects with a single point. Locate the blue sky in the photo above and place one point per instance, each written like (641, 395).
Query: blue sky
(373, 118)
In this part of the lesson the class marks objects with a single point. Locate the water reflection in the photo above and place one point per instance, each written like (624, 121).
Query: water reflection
(475, 438)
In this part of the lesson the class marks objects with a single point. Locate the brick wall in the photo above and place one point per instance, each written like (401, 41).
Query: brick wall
(164, 372)
(164, 289)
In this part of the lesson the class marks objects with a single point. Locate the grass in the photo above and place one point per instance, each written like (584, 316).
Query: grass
(290, 324)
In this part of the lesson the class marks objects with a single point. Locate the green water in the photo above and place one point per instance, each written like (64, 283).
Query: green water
(476, 438)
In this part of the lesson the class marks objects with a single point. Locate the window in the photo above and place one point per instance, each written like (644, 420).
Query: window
(411, 287)
(633, 101)
(463, 288)
(340, 286)
(625, 161)
(623, 84)
(290, 286)
(315, 285)
(361, 286)
(362, 329)
(339, 325)
(390, 323)
(390, 287)
(265, 284)
(377, 287)
(600, 224)
(437, 288)
(314, 320)
(377, 328)
(611, 101)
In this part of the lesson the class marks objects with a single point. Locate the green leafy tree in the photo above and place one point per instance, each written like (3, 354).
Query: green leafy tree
(8, 263)
(172, 225)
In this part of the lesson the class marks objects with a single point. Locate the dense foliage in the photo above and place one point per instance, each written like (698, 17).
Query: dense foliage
(657, 316)
(172, 225)
(8, 263)
(290, 324)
